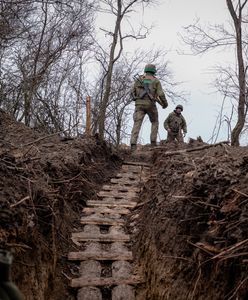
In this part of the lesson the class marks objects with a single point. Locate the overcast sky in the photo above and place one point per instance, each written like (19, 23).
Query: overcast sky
(203, 103)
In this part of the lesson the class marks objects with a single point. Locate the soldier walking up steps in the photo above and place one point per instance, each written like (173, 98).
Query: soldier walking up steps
(146, 91)
(175, 125)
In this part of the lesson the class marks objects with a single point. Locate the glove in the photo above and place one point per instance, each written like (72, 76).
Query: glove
(165, 104)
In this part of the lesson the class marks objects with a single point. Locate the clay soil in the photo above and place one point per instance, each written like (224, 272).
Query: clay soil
(192, 238)
(45, 181)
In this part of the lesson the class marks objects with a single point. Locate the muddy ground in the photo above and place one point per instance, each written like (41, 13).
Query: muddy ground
(192, 238)
(45, 181)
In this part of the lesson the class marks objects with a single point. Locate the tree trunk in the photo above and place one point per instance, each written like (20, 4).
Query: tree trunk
(241, 73)
(112, 60)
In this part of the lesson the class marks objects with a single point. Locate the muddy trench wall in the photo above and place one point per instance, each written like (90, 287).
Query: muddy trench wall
(192, 240)
(45, 182)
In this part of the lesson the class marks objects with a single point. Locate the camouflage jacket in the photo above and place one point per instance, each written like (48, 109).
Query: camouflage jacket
(155, 90)
(175, 123)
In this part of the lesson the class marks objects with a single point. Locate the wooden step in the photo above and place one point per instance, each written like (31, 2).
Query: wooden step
(137, 163)
(108, 237)
(132, 168)
(101, 220)
(104, 255)
(84, 281)
(125, 182)
(135, 172)
(129, 175)
(106, 210)
(117, 195)
(120, 188)
(111, 203)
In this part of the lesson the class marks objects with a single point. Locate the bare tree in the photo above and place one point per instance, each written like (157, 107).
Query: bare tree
(41, 63)
(120, 9)
(48, 47)
(232, 82)
(237, 16)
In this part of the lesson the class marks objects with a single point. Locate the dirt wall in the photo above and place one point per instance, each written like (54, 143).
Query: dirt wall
(45, 181)
(192, 228)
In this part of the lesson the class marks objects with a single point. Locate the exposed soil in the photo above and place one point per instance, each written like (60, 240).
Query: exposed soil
(45, 182)
(192, 238)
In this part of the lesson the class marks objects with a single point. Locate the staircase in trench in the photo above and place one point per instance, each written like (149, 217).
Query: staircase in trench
(106, 260)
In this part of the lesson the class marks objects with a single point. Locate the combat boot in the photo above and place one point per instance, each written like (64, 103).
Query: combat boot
(153, 144)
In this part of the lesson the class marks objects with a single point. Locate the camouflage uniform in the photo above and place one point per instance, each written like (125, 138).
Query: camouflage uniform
(175, 124)
(145, 106)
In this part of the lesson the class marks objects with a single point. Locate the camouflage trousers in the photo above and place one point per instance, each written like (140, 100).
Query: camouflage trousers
(174, 136)
(138, 117)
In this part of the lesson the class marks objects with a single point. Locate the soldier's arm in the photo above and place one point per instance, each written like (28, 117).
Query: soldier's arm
(133, 92)
(166, 122)
(161, 95)
(184, 125)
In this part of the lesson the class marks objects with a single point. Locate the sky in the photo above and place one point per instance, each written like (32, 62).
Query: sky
(203, 102)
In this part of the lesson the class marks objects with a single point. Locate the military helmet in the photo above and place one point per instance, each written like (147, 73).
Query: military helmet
(179, 106)
(150, 68)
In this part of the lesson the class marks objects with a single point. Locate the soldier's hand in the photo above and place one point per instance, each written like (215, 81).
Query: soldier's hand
(164, 105)
(168, 130)
(184, 134)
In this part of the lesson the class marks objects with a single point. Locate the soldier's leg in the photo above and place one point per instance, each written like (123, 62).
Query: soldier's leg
(138, 117)
(153, 116)
(179, 138)
(170, 137)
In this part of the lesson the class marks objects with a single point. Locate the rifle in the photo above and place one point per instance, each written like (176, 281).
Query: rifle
(146, 91)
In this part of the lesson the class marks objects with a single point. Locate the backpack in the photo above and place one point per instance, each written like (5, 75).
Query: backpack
(147, 85)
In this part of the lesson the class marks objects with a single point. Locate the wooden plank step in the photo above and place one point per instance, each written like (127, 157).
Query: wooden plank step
(106, 210)
(117, 195)
(135, 171)
(124, 182)
(103, 255)
(122, 188)
(101, 220)
(129, 175)
(109, 203)
(108, 237)
(84, 281)
(132, 168)
(137, 163)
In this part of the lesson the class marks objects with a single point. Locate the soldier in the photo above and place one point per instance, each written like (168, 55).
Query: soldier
(175, 124)
(146, 91)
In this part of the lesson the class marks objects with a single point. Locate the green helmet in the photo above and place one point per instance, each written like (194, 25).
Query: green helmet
(179, 106)
(150, 68)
